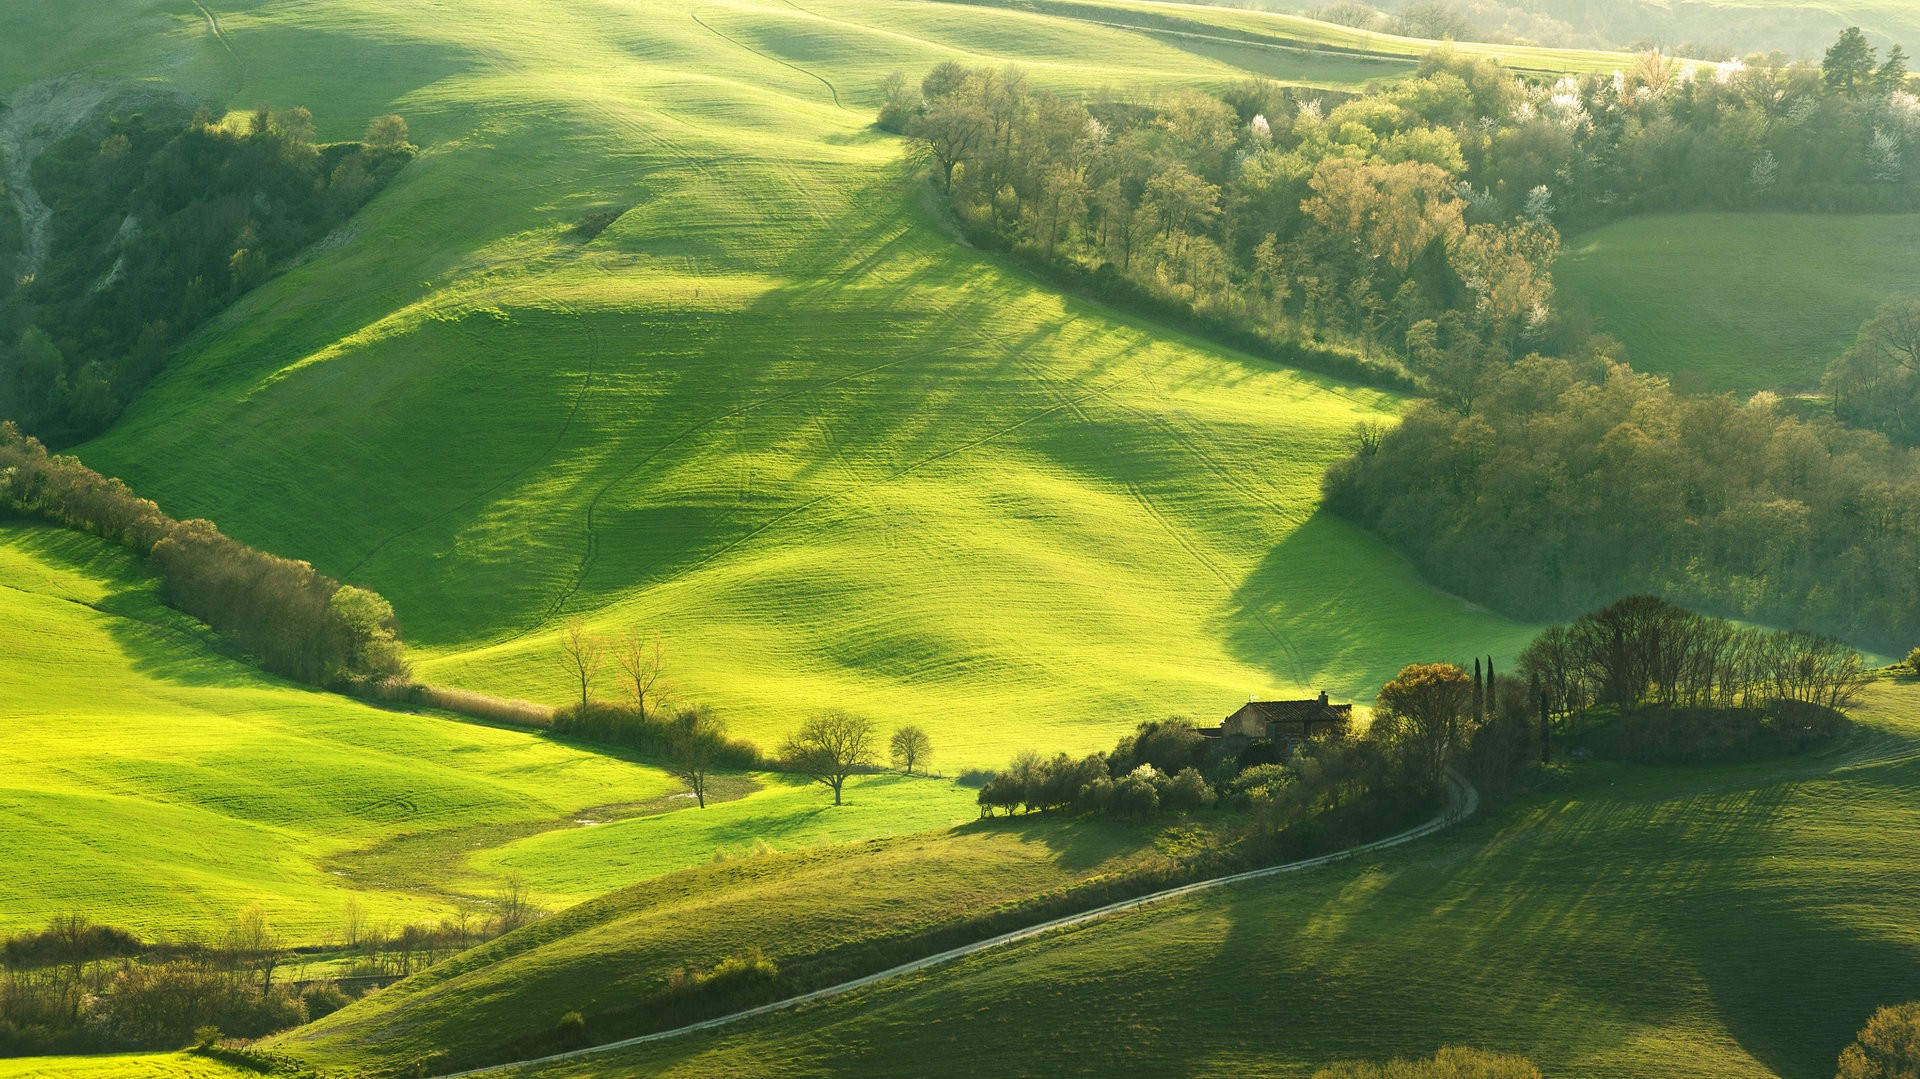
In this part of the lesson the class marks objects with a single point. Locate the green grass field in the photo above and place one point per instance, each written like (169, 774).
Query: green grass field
(1740, 302)
(823, 916)
(1704, 922)
(143, 1065)
(775, 413)
(154, 783)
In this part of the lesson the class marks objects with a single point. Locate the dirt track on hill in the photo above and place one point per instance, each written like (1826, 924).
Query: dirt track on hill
(1462, 802)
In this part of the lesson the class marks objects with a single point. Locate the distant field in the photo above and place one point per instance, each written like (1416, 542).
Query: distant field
(1740, 302)
(1175, 21)
(1700, 923)
(154, 784)
(775, 413)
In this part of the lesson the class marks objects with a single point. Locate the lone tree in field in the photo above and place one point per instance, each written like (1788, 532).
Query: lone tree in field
(1889, 1047)
(911, 749)
(643, 660)
(830, 747)
(696, 740)
(1424, 712)
(581, 655)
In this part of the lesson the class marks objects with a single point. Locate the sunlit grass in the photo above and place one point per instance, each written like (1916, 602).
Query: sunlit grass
(1739, 302)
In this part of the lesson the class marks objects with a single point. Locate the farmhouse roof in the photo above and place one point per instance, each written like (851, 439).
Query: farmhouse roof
(1308, 711)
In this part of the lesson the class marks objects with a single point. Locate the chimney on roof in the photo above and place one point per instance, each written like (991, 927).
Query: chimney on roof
(1323, 698)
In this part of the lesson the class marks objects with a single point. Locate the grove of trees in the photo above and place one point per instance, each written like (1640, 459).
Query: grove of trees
(1567, 484)
(159, 222)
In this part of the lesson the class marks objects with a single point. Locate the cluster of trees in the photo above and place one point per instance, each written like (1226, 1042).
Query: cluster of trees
(1419, 219)
(1645, 652)
(80, 986)
(1679, 685)
(1285, 217)
(691, 740)
(1168, 766)
(835, 746)
(1563, 485)
(294, 620)
(1157, 767)
(158, 225)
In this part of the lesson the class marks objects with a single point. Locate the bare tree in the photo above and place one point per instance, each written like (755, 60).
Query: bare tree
(830, 747)
(697, 741)
(581, 655)
(911, 748)
(643, 660)
(253, 944)
(512, 905)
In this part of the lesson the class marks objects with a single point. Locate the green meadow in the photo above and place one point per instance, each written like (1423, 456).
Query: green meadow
(776, 413)
(1688, 922)
(156, 783)
(1739, 302)
(120, 1066)
(822, 916)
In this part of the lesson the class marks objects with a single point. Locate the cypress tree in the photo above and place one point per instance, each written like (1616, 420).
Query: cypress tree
(1479, 693)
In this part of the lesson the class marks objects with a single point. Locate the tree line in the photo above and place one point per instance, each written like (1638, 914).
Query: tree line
(691, 740)
(1569, 483)
(159, 222)
(1285, 217)
(1413, 225)
(292, 619)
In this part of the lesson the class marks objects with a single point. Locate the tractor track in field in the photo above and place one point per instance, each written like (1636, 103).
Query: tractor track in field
(1160, 518)
(1462, 802)
(695, 16)
(220, 35)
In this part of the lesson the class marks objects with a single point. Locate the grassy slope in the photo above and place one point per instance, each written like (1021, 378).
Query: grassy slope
(822, 916)
(1820, 21)
(1730, 922)
(145, 1065)
(1740, 302)
(775, 412)
(154, 783)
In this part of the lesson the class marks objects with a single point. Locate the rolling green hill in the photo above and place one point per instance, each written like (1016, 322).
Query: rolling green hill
(154, 783)
(1701, 922)
(821, 916)
(1740, 302)
(775, 412)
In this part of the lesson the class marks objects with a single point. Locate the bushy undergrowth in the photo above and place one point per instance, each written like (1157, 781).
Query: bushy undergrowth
(657, 733)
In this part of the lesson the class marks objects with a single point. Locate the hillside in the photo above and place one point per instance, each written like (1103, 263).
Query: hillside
(821, 917)
(1739, 302)
(1715, 922)
(774, 412)
(155, 783)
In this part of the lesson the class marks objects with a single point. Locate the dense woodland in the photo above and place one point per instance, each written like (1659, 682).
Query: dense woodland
(1417, 225)
(294, 620)
(1420, 218)
(1568, 484)
(159, 222)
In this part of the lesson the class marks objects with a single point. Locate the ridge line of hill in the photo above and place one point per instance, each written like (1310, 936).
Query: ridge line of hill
(1462, 802)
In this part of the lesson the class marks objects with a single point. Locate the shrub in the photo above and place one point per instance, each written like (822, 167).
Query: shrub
(571, 1029)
